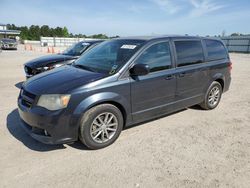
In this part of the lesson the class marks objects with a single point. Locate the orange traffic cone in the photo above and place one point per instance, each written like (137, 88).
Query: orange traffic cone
(53, 51)
(48, 51)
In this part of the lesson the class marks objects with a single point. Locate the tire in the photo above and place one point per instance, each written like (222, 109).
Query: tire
(211, 101)
(91, 125)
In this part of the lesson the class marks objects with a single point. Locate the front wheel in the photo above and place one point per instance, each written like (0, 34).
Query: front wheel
(212, 97)
(101, 126)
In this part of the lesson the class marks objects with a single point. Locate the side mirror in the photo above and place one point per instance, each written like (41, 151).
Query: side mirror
(139, 70)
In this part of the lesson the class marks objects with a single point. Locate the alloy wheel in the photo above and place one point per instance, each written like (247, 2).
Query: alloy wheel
(214, 96)
(104, 127)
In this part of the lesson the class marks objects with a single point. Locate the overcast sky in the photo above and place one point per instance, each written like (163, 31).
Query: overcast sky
(132, 17)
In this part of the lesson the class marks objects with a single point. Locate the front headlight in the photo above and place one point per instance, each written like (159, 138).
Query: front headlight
(53, 101)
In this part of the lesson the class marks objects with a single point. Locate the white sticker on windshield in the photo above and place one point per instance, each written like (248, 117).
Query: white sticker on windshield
(85, 44)
(127, 46)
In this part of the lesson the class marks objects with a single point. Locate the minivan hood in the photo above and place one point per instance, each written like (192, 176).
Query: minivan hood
(48, 59)
(61, 80)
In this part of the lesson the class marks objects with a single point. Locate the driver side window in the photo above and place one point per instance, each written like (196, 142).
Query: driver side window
(157, 57)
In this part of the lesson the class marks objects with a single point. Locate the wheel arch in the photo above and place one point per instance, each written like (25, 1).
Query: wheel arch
(105, 98)
(219, 78)
(221, 81)
(116, 104)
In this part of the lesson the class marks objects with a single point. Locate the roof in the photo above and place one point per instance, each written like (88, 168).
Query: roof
(155, 37)
(1, 24)
(147, 37)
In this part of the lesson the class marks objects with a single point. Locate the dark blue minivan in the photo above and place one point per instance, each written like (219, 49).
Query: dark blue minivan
(122, 82)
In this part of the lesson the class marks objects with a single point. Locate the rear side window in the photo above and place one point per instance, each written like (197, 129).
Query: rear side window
(215, 50)
(157, 57)
(188, 52)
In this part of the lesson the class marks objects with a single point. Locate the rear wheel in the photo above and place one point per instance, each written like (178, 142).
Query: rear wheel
(101, 126)
(212, 97)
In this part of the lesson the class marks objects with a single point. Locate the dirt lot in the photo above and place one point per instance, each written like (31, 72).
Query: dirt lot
(191, 148)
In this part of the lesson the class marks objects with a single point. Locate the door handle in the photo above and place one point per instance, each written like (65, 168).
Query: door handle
(169, 77)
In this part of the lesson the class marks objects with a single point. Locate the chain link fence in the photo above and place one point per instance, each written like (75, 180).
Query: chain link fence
(237, 43)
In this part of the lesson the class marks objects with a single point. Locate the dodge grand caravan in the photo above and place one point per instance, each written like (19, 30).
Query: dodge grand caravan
(122, 82)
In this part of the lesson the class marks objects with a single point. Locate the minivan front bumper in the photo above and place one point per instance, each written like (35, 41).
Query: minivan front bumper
(38, 134)
(46, 126)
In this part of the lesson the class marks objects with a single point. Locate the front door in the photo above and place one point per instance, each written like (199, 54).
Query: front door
(151, 93)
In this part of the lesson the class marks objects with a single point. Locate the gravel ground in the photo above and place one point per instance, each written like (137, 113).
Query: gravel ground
(190, 148)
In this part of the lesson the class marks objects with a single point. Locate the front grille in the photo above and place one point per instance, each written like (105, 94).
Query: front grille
(26, 103)
(28, 94)
(27, 98)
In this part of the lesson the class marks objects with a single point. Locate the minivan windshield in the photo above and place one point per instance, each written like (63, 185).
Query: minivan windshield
(77, 49)
(108, 57)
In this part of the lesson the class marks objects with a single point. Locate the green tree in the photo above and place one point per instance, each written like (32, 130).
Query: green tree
(45, 31)
(65, 32)
(58, 32)
(235, 34)
(34, 32)
(24, 32)
(99, 36)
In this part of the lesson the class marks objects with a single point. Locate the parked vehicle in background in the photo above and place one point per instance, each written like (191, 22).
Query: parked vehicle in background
(122, 82)
(49, 62)
(8, 44)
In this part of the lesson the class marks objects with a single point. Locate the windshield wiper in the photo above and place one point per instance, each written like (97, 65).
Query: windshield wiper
(84, 67)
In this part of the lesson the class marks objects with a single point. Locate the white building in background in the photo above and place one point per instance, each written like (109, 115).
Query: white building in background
(3, 27)
(6, 33)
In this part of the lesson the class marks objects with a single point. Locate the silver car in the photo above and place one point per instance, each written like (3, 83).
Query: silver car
(8, 44)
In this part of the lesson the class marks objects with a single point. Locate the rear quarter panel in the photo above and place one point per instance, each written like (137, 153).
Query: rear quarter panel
(218, 69)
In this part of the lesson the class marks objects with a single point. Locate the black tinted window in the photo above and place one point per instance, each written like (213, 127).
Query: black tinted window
(215, 50)
(157, 57)
(188, 52)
